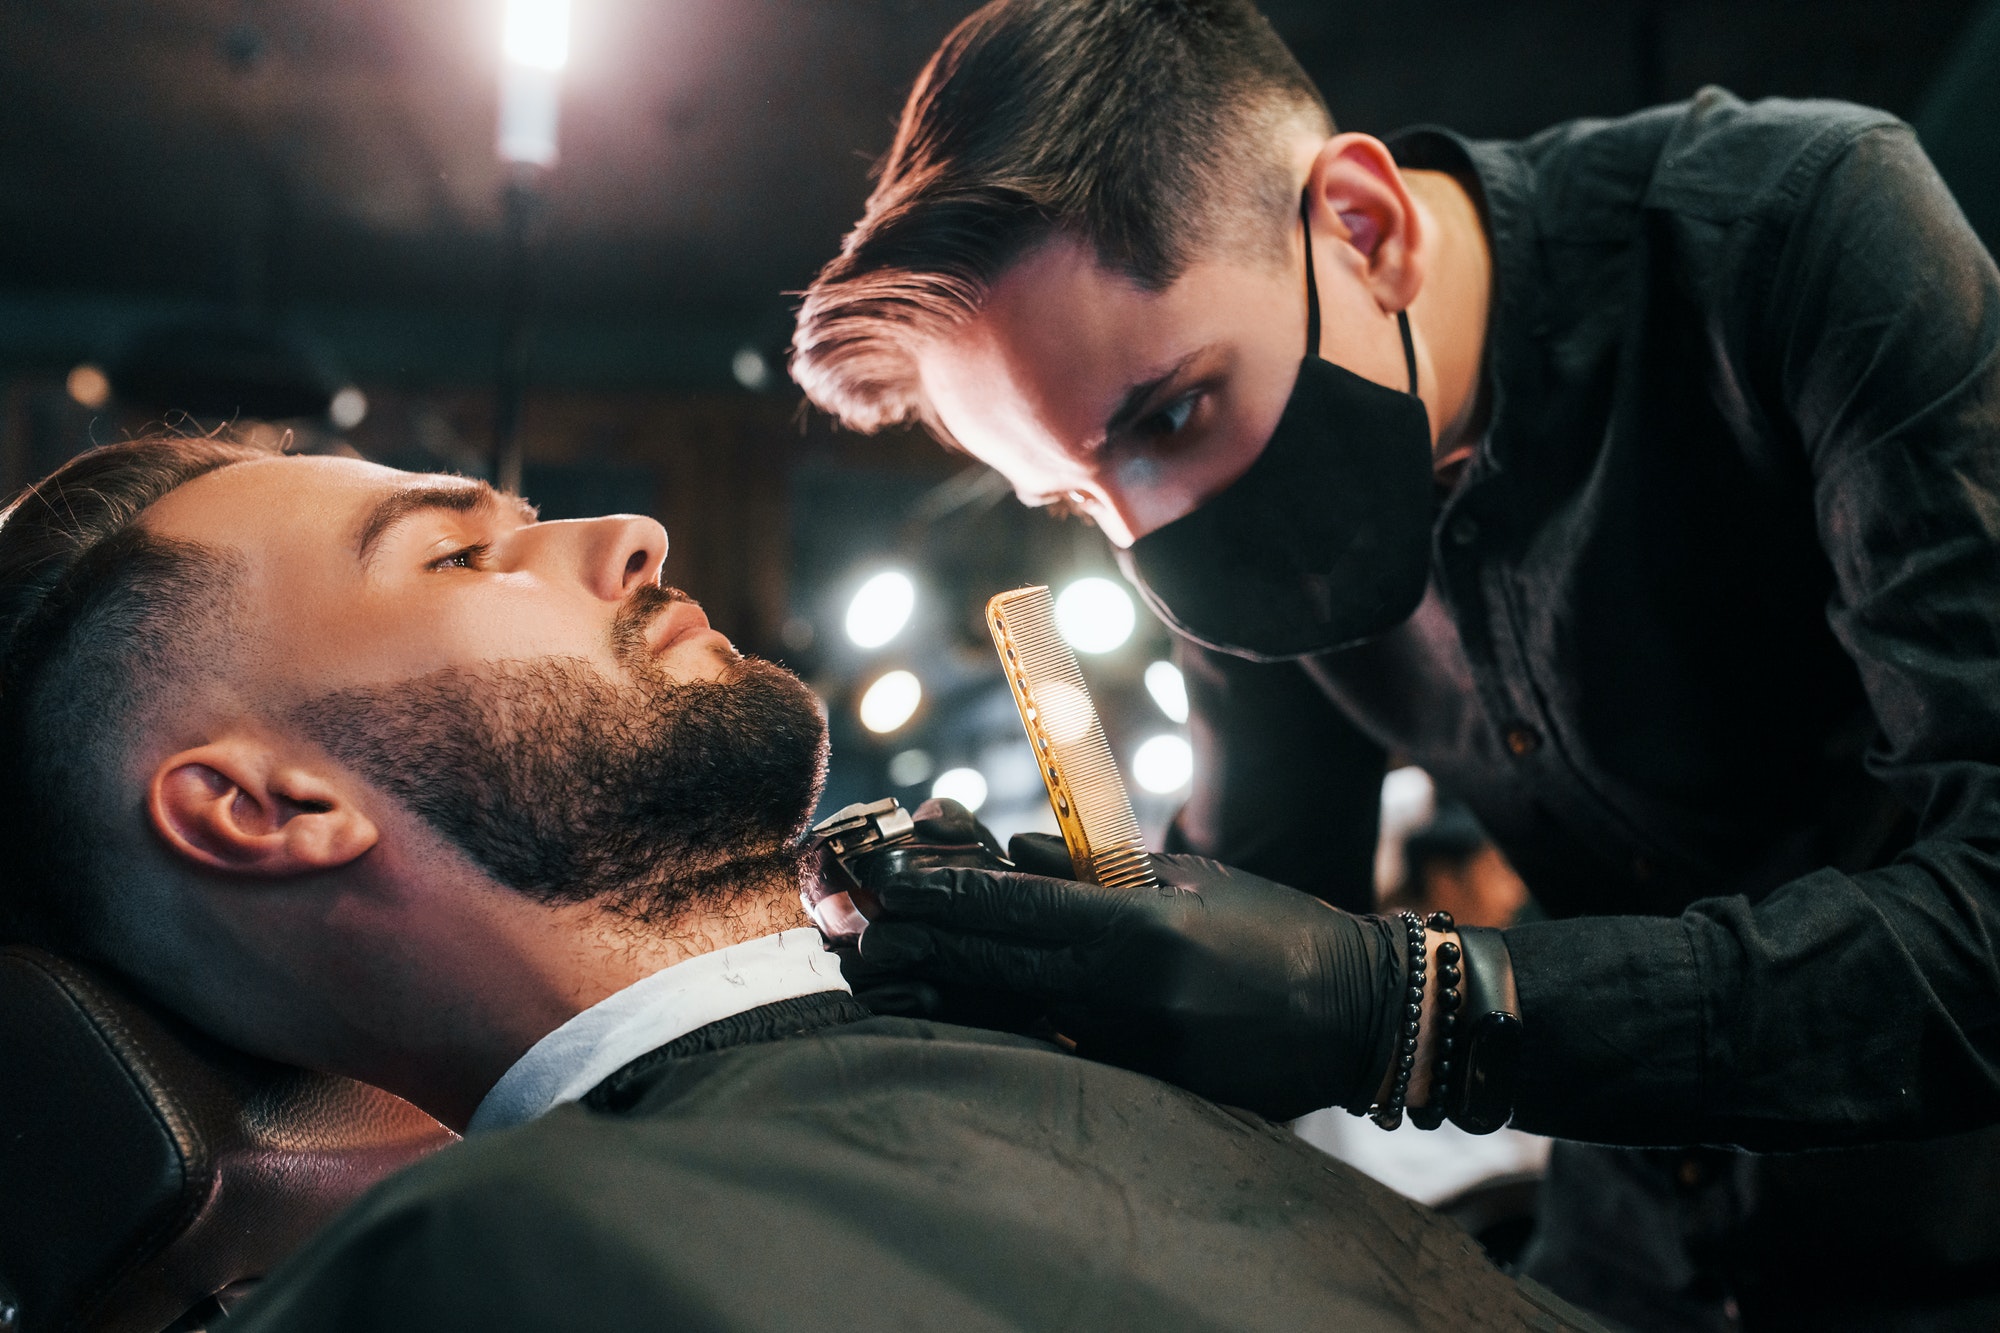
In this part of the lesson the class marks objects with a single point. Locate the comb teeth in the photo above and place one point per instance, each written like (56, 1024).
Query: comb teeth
(1084, 784)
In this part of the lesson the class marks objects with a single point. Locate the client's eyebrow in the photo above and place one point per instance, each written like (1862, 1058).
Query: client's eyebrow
(403, 504)
(1139, 395)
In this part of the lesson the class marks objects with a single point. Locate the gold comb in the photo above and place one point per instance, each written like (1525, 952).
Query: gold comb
(1091, 806)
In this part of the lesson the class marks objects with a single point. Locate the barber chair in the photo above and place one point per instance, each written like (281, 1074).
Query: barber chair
(1499, 1212)
(150, 1175)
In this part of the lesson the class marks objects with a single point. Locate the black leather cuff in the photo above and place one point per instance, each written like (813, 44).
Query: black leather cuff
(1480, 1098)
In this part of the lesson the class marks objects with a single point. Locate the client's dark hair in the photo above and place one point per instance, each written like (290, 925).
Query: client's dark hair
(99, 622)
(1147, 129)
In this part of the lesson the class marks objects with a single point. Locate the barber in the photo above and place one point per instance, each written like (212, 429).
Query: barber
(1641, 481)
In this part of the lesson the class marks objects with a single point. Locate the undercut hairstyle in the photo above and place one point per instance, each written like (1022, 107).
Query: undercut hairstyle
(101, 622)
(1149, 130)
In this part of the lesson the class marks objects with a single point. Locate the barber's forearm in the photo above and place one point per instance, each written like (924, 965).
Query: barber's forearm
(1612, 1019)
(1838, 1009)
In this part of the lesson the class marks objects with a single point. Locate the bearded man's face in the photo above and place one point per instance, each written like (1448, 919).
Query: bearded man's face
(527, 687)
(649, 795)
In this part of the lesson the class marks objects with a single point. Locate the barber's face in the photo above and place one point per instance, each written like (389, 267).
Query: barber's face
(361, 575)
(1134, 407)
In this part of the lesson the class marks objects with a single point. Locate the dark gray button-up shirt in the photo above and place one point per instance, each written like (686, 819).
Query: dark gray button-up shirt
(1712, 642)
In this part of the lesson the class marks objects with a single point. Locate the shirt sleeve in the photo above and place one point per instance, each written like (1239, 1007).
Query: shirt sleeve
(1841, 1007)
(1285, 785)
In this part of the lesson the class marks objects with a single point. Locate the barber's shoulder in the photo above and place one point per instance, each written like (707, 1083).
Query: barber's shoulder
(1714, 157)
(1724, 158)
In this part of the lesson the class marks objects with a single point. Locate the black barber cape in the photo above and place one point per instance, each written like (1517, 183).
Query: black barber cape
(805, 1166)
(1712, 648)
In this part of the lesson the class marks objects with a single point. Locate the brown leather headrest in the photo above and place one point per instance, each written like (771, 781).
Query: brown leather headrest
(145, 1167)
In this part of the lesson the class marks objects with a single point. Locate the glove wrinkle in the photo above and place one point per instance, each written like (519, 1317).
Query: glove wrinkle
(1245, 991)
(1041, 854)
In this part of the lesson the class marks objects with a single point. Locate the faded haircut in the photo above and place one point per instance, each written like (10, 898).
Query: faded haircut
(101, 622)
(1149, 130)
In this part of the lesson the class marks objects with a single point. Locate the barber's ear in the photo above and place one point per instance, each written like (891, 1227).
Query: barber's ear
(238, 806)
(1358, 196)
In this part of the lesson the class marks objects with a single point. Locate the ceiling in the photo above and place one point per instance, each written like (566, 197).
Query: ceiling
(332, 160)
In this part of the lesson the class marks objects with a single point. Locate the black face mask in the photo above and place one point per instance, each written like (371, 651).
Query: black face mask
(1325, 541)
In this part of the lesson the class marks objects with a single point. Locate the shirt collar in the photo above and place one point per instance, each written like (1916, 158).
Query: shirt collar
(1501, 179)
(653, 1011)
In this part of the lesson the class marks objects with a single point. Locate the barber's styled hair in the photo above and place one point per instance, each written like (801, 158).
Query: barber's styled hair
(98, 619)
(1147, 129)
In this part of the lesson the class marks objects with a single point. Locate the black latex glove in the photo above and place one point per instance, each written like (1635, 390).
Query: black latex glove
(946, 834)
(1236, 988)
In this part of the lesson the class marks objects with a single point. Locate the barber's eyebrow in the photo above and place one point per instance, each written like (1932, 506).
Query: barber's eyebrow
(1136, 397)
(457, 497)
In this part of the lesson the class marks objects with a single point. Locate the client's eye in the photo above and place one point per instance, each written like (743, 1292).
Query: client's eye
(467, 557)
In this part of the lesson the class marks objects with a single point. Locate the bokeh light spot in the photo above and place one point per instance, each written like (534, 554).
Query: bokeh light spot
(880, 609)
(1169, 690)
(1095, 615)
(1163, 765)
(891, 701)
(967, 786)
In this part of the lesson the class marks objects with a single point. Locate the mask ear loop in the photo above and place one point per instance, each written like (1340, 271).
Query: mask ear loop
(1312, 301)
(1312, 287)
(1409, 348)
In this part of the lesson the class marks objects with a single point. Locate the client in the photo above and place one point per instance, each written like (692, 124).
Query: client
(374, 773)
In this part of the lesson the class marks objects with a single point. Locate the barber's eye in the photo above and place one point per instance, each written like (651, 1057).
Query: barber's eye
(1170, 419)
(467, 557)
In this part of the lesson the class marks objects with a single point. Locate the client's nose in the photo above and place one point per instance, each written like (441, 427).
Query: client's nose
(620, 552)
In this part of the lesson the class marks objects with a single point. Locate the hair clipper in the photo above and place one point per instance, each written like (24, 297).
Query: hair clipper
(865, 844)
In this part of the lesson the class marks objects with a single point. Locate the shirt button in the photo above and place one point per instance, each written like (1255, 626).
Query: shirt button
(1522, 741)
(1465, 530)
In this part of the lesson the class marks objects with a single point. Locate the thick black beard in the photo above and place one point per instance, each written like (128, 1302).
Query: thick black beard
(651, 799)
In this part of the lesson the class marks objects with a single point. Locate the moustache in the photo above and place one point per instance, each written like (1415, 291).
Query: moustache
(642, 605)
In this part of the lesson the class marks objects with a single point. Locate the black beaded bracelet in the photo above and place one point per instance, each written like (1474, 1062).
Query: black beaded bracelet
(1432, 1115)
(1389, 1114)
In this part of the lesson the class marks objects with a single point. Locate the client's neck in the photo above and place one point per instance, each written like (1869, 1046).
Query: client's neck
(496, 981)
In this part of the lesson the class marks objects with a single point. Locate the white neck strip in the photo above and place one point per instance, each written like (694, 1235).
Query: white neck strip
(653, 1011)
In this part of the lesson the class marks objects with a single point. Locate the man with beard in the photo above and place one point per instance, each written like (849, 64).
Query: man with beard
(376, 774)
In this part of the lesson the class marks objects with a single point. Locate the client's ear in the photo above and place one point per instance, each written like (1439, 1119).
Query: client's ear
(238, 805)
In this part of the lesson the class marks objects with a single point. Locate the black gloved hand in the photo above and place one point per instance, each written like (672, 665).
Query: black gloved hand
(1236, 988)
(946, 834)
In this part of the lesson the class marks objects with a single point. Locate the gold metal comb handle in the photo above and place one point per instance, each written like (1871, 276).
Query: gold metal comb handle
(1085, 788)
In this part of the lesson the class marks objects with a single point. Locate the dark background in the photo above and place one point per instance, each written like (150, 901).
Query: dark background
(334, 158)
(328, 166)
